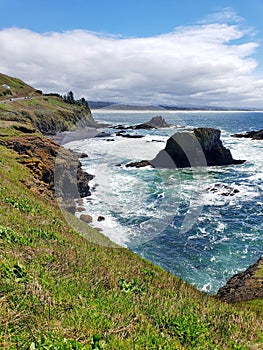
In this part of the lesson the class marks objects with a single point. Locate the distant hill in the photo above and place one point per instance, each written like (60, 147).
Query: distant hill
(100, 104)
(122, 106)
(135, 107)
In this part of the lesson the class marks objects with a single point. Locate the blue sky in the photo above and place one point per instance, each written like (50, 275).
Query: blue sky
(206, 52)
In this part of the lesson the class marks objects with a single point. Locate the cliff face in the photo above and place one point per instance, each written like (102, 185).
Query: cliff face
(40, 154)
(48, 114)
(203, 147)
(247, 285)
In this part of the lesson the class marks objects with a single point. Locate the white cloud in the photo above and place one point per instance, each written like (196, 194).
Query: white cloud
(209, 63)
(225, 15)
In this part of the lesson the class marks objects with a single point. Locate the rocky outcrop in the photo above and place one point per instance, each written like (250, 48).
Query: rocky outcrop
(53, 125)
(154, 123)
(56, 168)
(254, 135)
(247, 285)
(202, 147)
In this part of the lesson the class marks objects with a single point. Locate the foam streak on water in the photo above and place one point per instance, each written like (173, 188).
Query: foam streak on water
(169, 216)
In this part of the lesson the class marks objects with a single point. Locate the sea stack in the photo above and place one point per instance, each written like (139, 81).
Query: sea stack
(202, 147)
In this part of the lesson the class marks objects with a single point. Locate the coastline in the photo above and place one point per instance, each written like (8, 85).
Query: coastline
(64, 286)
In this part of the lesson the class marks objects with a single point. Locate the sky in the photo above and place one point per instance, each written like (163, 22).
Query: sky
(176, 52)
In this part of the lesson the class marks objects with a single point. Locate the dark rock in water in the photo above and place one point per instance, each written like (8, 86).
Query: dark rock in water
(103, 134)
(247, 285)
(155, 123)
(83, 180)
(139, 164)
(130, 136)
(254, 135)
(83, 155)
(80, 155)
(202, 147)
(120, 133)
(120, 127)
(101, 218)
(223, 190)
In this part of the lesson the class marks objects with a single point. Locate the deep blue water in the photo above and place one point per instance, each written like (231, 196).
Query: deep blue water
(169, 216)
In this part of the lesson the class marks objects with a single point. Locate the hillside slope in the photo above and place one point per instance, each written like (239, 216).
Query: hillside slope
(50, 114)
(12, 88)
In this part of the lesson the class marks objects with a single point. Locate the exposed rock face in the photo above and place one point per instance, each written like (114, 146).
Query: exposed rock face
(247, 285)
(200, 148)
(254, 135)
(40, 155)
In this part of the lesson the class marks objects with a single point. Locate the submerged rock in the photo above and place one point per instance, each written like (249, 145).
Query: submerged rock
(247, 285)
(202, 147)
(139, 164)
(223, 190)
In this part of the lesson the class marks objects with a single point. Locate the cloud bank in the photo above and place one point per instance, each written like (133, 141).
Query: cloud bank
(210, 63)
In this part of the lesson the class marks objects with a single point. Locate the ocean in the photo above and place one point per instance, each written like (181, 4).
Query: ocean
(169, 216)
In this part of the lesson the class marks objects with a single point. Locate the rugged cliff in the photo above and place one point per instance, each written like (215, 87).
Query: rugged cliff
(40, 154)
(247, 285)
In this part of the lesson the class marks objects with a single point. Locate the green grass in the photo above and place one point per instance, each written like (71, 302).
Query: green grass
(259, 273)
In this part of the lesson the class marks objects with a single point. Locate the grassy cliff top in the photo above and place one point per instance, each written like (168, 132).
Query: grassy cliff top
(49, 113)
